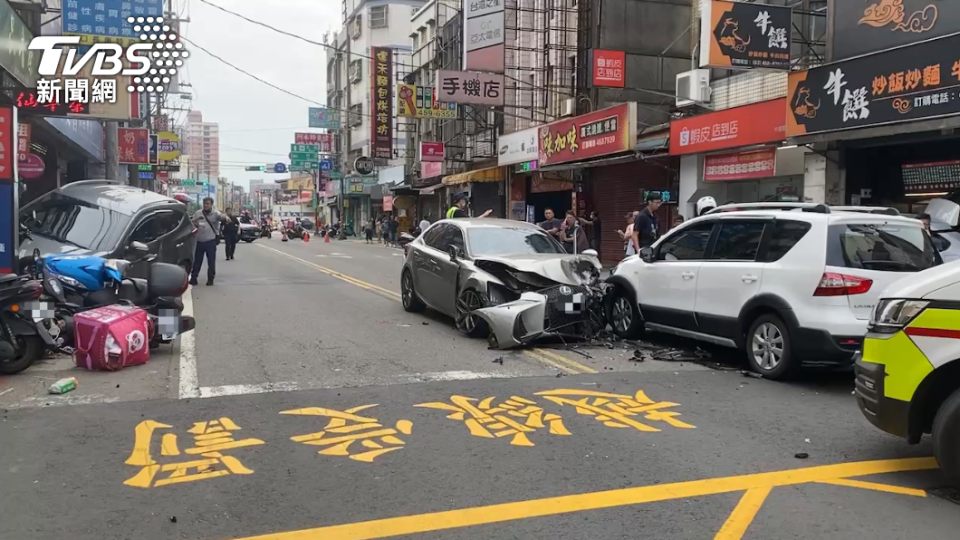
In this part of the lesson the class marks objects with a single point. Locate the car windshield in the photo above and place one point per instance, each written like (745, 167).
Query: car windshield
(76, 222)
(511, 241)
(886, 247)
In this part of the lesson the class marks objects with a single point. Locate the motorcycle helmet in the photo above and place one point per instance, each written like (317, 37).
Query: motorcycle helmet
(705, 204)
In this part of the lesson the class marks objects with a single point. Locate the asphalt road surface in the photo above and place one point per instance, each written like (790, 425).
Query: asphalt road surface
(308, 405)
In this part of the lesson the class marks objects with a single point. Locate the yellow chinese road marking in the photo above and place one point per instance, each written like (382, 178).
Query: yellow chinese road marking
(876, 487)
(743, 514)
(551, 506)
(551, 359)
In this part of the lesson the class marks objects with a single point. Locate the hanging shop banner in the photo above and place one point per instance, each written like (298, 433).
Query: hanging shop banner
(420, 102)
(323, 118)
(430, 169)
(484, 35)
(160, 122)
(759, 123)
(133, 146)
(388, 203)
(8, 209)
(105, 21)
(169, 145)
(744, 36)
(24, 133)
(381, 82)
(323, 140)
(910, 83)
(609, 68)
(470, 87)
(877, 25)
(607, 131)
(518, 147)
(431, 151)
(154, 149)
(740, 165)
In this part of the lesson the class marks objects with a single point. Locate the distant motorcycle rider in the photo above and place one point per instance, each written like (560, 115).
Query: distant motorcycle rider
(459, 208)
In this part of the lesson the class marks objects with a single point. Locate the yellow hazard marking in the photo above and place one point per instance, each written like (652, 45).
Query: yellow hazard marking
(743, 515)
(906, 366)
(545, 357)
(939, 319)
(552, 506)
(876, 487)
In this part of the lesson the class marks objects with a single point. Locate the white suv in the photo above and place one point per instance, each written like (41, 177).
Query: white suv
(786, 283)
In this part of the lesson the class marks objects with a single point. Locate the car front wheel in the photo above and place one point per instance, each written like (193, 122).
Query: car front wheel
(946, 439)
(769, 347)
(623, 313)
(411, 302)
(469, 324)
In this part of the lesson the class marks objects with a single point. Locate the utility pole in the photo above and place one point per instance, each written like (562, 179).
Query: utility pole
(111, 142)
(345, 132)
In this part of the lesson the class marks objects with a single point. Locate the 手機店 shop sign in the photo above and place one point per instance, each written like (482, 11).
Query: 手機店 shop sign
(877, 25)
(740, 165)
(381, 124)
(607, 131)
(759, 123)
(737, 35)
(909, 83)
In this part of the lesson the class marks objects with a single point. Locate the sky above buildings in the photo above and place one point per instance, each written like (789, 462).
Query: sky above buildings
(257, 122)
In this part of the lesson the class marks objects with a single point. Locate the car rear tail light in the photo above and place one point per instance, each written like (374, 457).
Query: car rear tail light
(842, 285)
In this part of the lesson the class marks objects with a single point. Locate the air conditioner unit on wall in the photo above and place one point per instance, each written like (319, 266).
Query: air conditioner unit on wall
(693, 87)
(569, 107)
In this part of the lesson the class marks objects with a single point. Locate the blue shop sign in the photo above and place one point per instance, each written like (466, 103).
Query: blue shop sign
(99, 21)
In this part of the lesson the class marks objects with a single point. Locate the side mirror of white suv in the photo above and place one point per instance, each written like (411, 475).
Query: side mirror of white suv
(646, 254)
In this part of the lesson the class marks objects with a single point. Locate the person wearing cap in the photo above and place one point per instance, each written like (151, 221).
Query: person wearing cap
(459, 208)
(645, 226)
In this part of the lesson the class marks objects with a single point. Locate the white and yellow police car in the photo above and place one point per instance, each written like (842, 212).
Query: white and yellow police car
(908, 374)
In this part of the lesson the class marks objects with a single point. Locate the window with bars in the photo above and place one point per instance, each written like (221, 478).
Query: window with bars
(378, 17)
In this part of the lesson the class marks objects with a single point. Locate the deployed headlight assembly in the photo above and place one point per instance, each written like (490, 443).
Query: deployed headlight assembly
(893, 314)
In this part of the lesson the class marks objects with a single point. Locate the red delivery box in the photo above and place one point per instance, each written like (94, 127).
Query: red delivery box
(112, 337)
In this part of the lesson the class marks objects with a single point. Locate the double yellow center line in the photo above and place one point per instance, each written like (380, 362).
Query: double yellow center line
(543, 356)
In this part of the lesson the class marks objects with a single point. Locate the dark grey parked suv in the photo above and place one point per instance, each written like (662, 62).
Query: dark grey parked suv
(102, 217)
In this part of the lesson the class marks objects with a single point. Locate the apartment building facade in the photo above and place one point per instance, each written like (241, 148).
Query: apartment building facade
(202, 145)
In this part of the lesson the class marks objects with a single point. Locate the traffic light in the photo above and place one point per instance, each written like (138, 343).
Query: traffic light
(256, 168)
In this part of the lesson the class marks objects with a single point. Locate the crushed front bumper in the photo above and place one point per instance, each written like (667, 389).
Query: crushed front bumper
(554, 311)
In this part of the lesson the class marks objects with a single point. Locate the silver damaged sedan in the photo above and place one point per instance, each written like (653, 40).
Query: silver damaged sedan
(506, 280)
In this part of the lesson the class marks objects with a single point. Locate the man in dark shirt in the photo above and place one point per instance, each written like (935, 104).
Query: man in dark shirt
(231, 233)
(645, 226)
(595, 230)
(551, 224)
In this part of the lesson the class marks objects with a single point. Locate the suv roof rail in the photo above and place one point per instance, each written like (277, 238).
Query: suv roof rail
(882, 210)
(91, 182)
(742, 207)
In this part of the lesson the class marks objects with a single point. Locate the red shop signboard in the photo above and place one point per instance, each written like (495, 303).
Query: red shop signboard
(740, 165)
(133, 146)
(323, 140)
(759, 123)
(607, 131)
(609, 68)
(431, 151)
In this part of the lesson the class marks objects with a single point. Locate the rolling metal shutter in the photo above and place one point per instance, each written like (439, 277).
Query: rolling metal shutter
(486, 196)
(616, 191)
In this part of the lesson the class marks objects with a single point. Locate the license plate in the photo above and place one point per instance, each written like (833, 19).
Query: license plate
(168, 337)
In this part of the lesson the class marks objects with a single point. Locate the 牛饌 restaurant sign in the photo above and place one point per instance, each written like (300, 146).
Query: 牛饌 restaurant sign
(868, 26)
(914, 82)
(737, 35)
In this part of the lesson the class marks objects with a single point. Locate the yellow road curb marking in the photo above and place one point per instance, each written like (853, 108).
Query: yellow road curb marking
(744, 514)
(887, 488)
(569, 362)
(551, 506)
(545, 357)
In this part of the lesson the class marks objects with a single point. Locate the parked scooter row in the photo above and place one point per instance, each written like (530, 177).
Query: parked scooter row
(37, 309)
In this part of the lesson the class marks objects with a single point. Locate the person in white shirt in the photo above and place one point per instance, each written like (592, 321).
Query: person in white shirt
(627, 235)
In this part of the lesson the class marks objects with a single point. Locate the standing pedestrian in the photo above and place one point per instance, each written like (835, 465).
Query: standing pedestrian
(677, 221)
(394, 228)
(627, 235)
(208, 222)
(368, 231)
(551, 224)
(231, 234)
(645, 226)
(379, 231)
(596, 233)
(572, 235)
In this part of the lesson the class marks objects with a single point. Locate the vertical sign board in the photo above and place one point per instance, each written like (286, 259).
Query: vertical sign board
(483, 35)
(381, 82)
(737, 35)
(8, 193)
(133, 146)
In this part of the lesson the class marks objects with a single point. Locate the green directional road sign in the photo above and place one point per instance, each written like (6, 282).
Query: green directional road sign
(305, 152)
(304, 165)
(189, 183)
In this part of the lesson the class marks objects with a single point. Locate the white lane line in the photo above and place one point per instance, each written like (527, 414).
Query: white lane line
(266, 388)
(189, 380)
